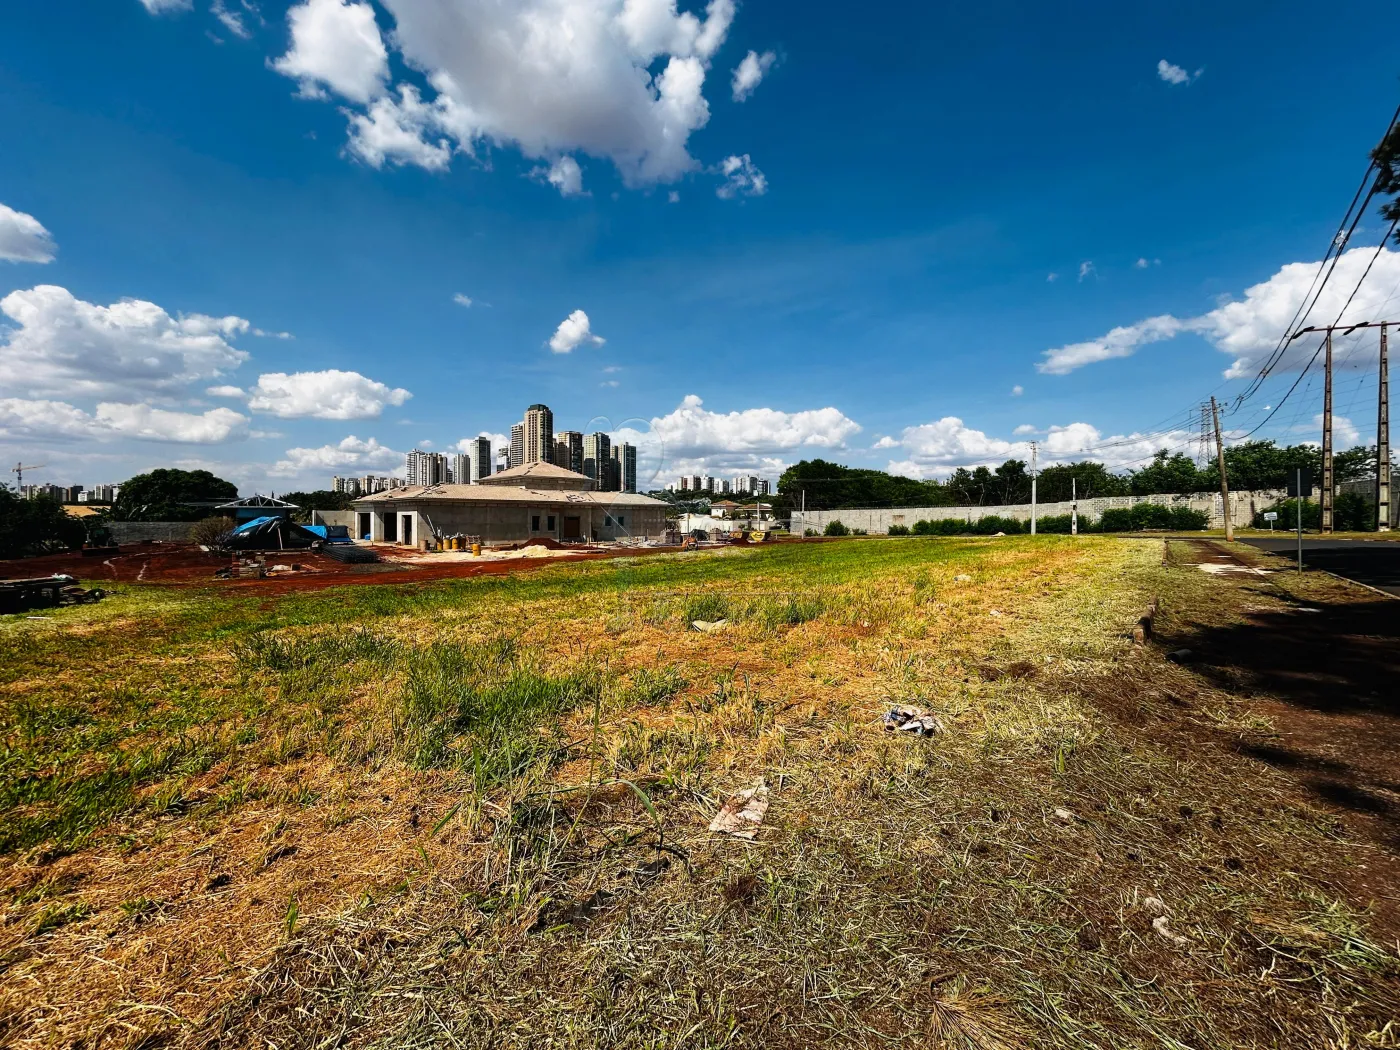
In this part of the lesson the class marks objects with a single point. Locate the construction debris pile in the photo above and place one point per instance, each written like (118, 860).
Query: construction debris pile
(45, 592)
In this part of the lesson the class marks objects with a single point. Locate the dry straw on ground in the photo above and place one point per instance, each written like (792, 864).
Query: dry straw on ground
(479, 817)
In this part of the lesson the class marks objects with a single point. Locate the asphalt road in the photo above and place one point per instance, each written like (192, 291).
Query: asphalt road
(1372, 562)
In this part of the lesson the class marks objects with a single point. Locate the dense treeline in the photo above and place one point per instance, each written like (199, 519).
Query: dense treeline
(1250, 465)
(35, 526)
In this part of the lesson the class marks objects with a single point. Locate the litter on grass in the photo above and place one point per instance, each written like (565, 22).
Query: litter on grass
(709, 626)
(1067, 815)
(743, 813)
(1181, 656)
(911, 720)
(962, 577)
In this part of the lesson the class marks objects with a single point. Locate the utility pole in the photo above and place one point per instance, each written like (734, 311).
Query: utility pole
(1383, 440)
(1035, 448)
(1073, 506)
(1328, 486)
(1224, 482)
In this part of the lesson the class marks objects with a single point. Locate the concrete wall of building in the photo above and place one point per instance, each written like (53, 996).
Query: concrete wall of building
(335, 517)
(151, 531)
(1243, 507)
(513, 522)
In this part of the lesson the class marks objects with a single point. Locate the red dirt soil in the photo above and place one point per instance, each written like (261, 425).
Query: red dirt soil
(180, 564)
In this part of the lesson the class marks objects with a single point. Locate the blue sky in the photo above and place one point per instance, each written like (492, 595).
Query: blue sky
(846, 252)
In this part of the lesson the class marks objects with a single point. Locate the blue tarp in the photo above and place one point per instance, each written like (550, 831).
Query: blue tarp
(330, 533)
(255, 523)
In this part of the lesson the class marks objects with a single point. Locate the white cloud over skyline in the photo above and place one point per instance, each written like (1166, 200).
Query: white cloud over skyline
(1249, 329)
(330, 394)
(63, 346)
(573, 332)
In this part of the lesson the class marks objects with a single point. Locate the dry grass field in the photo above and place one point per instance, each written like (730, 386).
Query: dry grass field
(475, 813)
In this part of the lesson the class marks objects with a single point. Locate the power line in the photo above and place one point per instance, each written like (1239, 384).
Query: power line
(1334, 252)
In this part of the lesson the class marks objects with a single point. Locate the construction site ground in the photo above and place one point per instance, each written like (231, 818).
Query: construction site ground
(184, 564)
(502, 811)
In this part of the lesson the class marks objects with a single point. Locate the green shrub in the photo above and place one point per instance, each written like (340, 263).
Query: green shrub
(859, 532)
(809, 532)
(1152, 516)
(1351, 512)
(898, 530)
(1056, 524)
(835, 528)
(991, 524)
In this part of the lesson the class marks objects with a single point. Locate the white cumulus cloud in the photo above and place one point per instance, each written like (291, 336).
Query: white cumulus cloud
(161, 7)
(564, 175)
(348, 453)
(23, 238)
(335, 45)
(693, 430)
(22, 418)
(462, 300)
(65, 346)
(572, 332)
(1121, 342)
(1249, 329)
(331, 394)
(615, 79)
(1174, 74)
(741, 178)
(934, 450)
(749, 73)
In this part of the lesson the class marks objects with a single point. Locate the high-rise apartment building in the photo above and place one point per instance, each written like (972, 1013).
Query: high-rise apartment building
(539, 434)
(763, 487)
(459, 470)
(517, 445)
(425, 468)
(625, 456)
(479, 451)
(349, 486)
(573, 441)
(746, 485)
(597, 453)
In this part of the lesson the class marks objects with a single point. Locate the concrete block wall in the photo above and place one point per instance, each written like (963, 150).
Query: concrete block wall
(155, 531)
(877, 521)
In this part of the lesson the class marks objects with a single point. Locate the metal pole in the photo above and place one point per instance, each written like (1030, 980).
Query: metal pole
(1224, 481)
(1327, 486)
(1383, 441)
(1298, 503)
(1074, 506)
(1034, 449)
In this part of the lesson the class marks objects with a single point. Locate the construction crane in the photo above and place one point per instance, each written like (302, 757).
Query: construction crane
(20, 468)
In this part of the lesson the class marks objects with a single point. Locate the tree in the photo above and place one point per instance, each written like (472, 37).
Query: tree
(1168, 472)
(1387, 159)
(171, 495)
(830, 486)
(1011, 483)
(35, 526)
(1086, 480)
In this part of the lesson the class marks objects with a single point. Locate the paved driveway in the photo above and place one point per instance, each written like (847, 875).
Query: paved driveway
(1372, 562)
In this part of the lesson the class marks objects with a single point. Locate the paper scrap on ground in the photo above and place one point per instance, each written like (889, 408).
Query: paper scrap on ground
(709, 626)
(911, 720)
(743, 813)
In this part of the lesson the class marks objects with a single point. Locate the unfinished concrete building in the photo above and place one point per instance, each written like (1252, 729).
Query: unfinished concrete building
(532, 501)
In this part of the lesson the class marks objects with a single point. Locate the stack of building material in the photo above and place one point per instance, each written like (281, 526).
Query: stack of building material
(349, 553)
